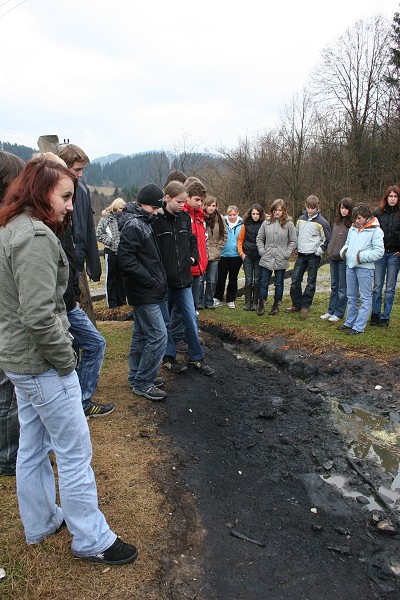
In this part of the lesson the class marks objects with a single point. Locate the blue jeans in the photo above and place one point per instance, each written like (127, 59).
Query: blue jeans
(387, 266)
(183, 300)
(304, 262)
(251, 267)
(51, 418)
(210, 278)
(176, 325)
(338, 297)
(90, 346)
(9, 426)
(149, 342)
(359, 283)
(264, 283)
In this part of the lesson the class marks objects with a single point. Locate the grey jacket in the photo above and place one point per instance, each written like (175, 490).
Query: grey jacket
(33, 277)
(276, 244)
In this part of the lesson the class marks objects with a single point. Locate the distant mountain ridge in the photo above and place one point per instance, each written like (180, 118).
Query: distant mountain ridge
(110, 158)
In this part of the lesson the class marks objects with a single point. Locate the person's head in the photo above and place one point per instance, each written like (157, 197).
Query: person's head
(175, 176)
(255, 213)
(390, 198)
(75, 158)
(361, 214)
(10, 166)
(312, 205)
(344, 211)
(278, 211)
(232, 213)
(151, 198)
(196, 192)
(45, 189)
(175, 197)
(117, 205)
(210, 205)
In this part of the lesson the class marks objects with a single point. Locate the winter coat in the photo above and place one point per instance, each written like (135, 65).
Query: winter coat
(72, 293)
(107, 231)
(337, 241)
(139, 257)
(363, 246)
(84, 234)
(178, 245)
(199, 230)
(33, 277)
(313, 234)
(389, 221)
(230, 249)
(247, 239)
(215, 243)
(276, 244)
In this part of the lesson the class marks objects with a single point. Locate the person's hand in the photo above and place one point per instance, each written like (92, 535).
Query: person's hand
(243, 256)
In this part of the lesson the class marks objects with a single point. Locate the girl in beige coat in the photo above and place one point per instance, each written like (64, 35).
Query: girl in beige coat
(276, 241)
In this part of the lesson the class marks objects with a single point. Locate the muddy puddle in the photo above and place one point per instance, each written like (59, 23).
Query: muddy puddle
(374, 439)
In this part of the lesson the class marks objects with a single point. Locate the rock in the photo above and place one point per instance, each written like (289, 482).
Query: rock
(346, 408)
(362, 500)
(345, 550)
(386, 528)
(394, 417)
(328, 465)
(277, 401)
(267, 414)
(316, 527)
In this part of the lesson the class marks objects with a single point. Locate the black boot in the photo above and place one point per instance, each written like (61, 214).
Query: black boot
(247, 298)
(275, 308)
(374, 319)
(383, 323)
(254, 302)
(261, 307)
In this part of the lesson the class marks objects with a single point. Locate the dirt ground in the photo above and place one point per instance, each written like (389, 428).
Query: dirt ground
(252, 517)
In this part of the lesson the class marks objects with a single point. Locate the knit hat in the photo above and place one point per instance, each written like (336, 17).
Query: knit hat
(151, 195)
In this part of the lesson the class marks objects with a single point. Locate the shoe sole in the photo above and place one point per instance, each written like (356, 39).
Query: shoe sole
(96, 559)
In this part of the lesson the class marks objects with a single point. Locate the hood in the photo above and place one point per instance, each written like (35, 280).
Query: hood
(373, 222)
(133, 211)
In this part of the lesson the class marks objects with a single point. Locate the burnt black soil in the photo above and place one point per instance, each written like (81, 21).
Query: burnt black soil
(251, 443)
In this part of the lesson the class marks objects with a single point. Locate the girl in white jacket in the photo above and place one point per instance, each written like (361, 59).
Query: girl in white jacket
(363, 247)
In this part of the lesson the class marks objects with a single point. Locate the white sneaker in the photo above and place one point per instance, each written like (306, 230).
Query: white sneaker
(217, 302)
(325, 316)
(231, 305)
(333, 319)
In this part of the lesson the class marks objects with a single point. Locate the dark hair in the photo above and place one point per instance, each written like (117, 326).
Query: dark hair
(248, 218)
(194, 187)
(176, 176)
(383, 203)
(31, 191)
(363, 210)
(346, 203)
(212, 219)
(284, 218)
(10, 166)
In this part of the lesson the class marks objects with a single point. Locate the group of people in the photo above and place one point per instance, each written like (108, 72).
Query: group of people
(170, 254)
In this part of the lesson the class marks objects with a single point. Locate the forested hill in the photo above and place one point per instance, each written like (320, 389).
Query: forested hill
(129, 172)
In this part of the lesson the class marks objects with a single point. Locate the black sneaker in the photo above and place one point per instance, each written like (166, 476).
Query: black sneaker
(159, 382)
(182, 347)
(201, 367)
(343, 328)
(172, 365)
(152, 393)
(98, 410)
(120, 553)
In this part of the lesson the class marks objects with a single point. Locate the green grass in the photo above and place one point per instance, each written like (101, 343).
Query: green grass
(310, 331)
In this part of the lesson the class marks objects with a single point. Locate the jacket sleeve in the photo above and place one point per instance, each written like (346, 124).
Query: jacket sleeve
(292, 239)
(376, 249)
(37, 298)
(194, 249)
(240, 240)
(260, 240)
(101, 232)
(85, 235)
(326, 237)
(130, 242)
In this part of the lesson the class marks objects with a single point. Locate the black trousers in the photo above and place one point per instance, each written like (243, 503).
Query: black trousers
(228, 266)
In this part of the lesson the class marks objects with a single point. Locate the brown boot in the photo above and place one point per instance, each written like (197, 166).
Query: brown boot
(275, 308)
(247, 298)
(261, 307)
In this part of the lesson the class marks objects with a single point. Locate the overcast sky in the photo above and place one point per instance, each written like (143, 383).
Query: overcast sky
(124, 76)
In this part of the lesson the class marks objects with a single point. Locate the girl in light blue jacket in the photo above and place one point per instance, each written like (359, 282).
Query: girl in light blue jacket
(363, 247)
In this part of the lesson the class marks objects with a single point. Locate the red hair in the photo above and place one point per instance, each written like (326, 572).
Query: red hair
(31, 190)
